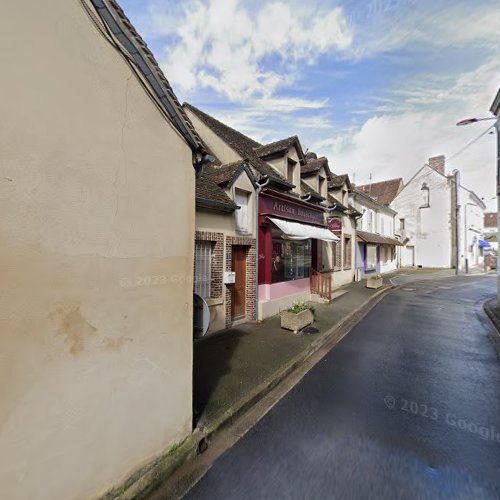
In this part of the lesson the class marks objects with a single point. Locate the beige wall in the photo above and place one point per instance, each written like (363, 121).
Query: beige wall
(218, 147)
(217, 222)
(95, 319)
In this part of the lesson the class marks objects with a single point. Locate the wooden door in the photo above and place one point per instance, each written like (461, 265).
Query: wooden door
(239, 266)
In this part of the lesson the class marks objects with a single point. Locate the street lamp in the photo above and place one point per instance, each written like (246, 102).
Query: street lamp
(468, 121)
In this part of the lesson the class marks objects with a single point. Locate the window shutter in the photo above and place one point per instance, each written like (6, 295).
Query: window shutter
(241, 200)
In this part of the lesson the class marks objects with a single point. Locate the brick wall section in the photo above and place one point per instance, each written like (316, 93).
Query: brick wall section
(250, 298)
(216, 274)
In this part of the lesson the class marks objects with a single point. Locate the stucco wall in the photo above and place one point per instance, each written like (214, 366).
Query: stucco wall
(223, 152)
(428, 229)
(225, 225)
(96, 196)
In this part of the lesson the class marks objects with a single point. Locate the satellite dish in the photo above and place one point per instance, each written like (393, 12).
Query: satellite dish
(201, 316)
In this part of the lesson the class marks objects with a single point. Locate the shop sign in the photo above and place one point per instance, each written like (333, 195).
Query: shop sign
(335, 226)
(270, 205)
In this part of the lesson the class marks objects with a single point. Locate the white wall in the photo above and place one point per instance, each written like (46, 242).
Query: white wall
(428, 229)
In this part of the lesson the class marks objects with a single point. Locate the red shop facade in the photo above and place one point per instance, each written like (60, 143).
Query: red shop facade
(285, 263)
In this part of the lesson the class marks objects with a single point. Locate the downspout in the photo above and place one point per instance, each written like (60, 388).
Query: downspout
(257, 193)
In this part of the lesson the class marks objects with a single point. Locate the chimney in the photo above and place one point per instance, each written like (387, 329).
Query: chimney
(437, 163)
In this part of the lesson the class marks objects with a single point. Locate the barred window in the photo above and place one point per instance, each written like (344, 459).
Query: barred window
(203, 268)
(337, 255)
(347, 253)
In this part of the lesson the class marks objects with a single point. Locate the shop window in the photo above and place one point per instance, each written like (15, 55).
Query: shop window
(203, 268)
(371, 258)
(291, 260)
(241, 199)
(347, 253)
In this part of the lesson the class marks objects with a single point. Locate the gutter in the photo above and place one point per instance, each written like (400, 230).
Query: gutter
(257, 193)
(142, 57)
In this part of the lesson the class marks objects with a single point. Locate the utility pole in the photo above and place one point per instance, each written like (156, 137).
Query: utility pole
(455, 212)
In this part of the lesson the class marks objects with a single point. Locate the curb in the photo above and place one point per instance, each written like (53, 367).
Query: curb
(265, 387)
(145, 480)
(148, 478)
(492, 311)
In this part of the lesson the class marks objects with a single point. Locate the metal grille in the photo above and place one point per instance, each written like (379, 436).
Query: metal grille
(203, 268)
(347, 252)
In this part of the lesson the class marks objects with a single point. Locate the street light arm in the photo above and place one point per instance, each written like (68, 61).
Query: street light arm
(468, 121)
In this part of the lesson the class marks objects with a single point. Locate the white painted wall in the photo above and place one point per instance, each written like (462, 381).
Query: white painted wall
(428, 229)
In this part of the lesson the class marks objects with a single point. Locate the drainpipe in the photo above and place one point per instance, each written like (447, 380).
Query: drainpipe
(257, 193)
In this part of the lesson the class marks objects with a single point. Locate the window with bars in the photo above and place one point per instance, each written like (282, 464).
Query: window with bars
(337, 255)
(347, 253)
(203, 268)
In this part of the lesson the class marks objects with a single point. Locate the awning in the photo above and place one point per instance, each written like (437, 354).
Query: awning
(483, 244)
(367, 237)
(298, 231)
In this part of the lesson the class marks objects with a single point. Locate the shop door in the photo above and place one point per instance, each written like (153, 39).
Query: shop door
(239, 266)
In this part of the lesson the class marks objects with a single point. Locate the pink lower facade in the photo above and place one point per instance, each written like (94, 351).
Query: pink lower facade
(279, 290)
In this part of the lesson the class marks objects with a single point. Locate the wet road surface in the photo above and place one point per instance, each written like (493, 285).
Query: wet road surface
(407, 405)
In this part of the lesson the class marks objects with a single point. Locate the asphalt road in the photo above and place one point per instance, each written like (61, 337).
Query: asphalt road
(407, 405)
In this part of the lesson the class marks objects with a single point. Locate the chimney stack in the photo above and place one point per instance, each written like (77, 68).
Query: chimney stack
(437, 163)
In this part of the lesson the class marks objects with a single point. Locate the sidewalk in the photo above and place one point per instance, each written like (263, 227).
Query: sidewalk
(234, 368)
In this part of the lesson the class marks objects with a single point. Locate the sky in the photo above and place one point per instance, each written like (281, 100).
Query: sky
(377, 86)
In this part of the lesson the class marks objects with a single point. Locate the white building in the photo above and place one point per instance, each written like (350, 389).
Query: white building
(376, 243)
(437, 216)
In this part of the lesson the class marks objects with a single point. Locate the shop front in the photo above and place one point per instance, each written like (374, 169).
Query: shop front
(290, 236)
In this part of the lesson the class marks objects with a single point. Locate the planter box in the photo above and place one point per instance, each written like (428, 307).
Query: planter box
(295, 322)
(374, 282)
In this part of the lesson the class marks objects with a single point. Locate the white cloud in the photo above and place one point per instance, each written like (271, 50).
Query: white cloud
(385, 26)
(397, 144)
(219, 45)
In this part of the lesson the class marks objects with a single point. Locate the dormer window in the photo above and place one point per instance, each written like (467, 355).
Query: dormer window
(290, 170)
(425, 196)
(321, 189)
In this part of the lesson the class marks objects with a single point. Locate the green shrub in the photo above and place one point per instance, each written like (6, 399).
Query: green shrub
(298, 307)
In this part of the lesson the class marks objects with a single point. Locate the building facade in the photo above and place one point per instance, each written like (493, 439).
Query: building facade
(439, 221)
(290, 216)
(376, 244)
(495, 109)
(96, 320)
(225, 241)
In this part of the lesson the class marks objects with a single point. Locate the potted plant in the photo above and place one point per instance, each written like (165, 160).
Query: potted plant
(297, 317)
(375, 281)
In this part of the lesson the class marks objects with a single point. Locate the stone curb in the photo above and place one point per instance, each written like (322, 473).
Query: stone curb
(265, 387)
(492, 311)
(148, 478)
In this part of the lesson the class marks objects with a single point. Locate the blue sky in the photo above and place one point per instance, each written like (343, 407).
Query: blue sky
(377, 85)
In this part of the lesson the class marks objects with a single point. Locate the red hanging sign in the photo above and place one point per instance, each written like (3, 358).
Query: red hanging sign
(335, 226)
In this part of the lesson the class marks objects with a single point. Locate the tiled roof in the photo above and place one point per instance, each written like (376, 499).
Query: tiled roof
(242, 144)
(385, 191)
(377, 238)
(210, 195)
(225, 174)
(151, 70)
(337, 181)
(279, 147)
(309, 190)
(490, 219)
(313, 166)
